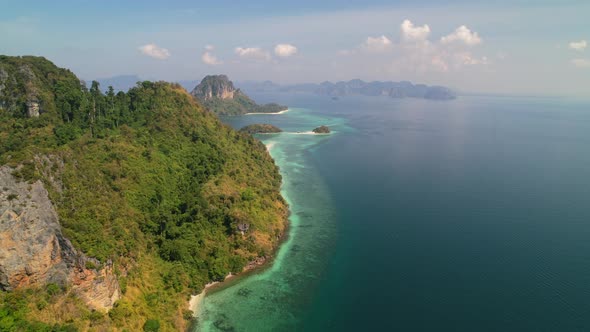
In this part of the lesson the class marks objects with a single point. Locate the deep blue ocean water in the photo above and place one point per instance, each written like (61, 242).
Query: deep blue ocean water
(415, 215)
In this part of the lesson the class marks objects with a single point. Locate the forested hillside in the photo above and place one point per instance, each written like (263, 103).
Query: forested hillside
(145, 181)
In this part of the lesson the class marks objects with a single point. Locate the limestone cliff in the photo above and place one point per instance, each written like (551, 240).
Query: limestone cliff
(33, 251)
(18, 80)
(214, 86)
(218, 94)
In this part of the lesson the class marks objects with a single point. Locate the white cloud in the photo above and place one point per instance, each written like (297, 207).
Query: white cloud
(417, 54)
(582, 63)
(466, 58)
(252, 53)
(414, 33)
(439, 64)
(377, 44)
(578, 46)
(285, 50)
(210, 59)
(464, 35)
(154, 51)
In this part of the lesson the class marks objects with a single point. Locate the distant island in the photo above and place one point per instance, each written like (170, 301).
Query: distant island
(119, 83)
(261, 128)
(218, 94)
(322, 130)
(403, 89)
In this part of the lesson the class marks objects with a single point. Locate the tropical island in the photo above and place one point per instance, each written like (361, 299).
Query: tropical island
(322, 130)
(357, 87)
(261, 128)
(218, 94)
(115, 208)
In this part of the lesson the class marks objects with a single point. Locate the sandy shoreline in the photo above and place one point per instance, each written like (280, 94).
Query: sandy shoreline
(196, 301)
(306, 133)
(260, 113)
(270, 145)
(194, 304)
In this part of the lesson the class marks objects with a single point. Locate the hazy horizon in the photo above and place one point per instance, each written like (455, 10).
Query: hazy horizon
(470, 46)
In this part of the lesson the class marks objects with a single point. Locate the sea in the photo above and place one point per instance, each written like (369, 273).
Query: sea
(416, 215)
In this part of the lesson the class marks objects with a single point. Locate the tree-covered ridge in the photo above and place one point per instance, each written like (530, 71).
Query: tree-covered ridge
(147, 179)
(260, 128)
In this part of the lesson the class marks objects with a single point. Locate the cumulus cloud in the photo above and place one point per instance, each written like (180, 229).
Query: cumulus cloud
(285, 50)
(578, 46)
(410, 32)
(417, 54)
(466, 58)
(582, 63)
(377, 44)
(208, 58)
(463, 35)
(154, 51)
(252, 53)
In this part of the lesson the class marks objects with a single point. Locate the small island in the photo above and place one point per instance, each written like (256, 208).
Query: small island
(261, 128)
(218, 94)
(322, 130)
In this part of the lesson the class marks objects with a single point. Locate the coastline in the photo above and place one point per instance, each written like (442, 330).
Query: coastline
(306, 133)
(268, 297)
(195, 302)
(270, 145)
(263, 113)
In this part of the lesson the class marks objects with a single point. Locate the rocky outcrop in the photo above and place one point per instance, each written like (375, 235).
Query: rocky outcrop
(4, 81)
(33, 108)
(27, 78)
(214, 86)
(34, 252)
(260, 128)
(322, 130)
(218, 94)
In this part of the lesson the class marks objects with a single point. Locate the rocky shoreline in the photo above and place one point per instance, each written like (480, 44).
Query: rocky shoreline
(195, 301)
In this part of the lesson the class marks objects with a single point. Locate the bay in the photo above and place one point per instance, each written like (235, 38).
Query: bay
(472, 214)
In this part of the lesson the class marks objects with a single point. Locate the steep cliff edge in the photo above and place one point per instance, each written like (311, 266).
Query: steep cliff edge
(34, 252)
(215, 86)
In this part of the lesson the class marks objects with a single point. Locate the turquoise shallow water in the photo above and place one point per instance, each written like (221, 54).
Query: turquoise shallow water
(277, 297)
(467, 215)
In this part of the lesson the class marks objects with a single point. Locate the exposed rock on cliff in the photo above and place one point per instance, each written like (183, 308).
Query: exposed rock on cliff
(218, 94)
(28, 85)
(33, 251)
(214, 86)
(322, 130)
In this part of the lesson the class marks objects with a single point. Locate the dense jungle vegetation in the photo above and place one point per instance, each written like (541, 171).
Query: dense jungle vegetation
(146, 179)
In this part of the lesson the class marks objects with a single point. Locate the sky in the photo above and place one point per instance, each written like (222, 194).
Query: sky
(510, 47)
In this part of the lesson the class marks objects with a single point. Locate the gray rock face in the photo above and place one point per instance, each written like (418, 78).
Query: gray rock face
(33, 109)
(3, 83)
(3, 78)
(32, 103)
(32, 248)
(214, 86)
(34, 252)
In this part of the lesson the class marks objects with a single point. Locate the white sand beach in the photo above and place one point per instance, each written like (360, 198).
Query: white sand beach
(270, 145)
(262, 113)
